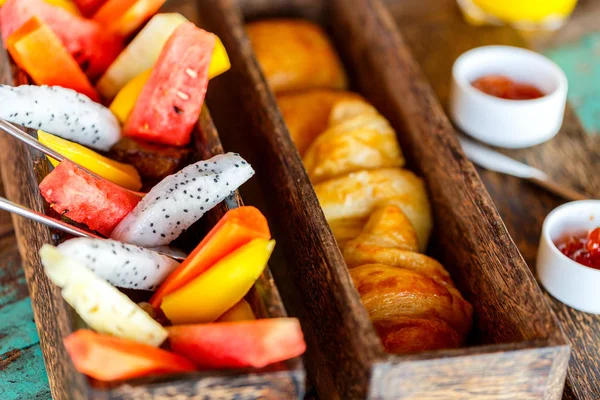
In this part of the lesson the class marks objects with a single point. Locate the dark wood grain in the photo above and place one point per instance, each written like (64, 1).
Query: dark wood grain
(437, 35)
(524, 353)
(22, 170)
(19, 358)
(308, 255)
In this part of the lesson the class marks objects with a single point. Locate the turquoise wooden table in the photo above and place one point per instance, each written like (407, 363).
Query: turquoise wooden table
(22, 374)
(22, 371)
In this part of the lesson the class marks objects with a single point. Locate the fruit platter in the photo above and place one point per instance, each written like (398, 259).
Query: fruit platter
(117, 89)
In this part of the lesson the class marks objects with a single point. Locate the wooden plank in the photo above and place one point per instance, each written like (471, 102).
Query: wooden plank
(307, 257)
(22, 372)
(437, 35)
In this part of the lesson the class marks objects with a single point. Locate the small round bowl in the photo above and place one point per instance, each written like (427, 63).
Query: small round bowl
(501, 122)
(572, 283)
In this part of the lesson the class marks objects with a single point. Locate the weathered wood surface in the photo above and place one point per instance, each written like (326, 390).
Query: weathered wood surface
(22, 170)
(437, 35)
(22, 372)
(307, 255)
(522, 217)
(511, 312)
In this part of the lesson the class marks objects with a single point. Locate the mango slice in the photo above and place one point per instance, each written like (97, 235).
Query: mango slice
(219, 62)
(121, 174)
(240, 312)
(218, 289)
(124, 101)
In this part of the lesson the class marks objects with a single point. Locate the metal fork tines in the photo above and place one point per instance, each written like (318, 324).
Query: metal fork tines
(23, 211)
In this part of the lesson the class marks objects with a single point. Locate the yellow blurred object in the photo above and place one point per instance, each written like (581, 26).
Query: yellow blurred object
(219, 62)
(66, 4)
(124, 175)
(124, 101)
(240, 312)
(522, 14)
(218, 289)
(127, 96)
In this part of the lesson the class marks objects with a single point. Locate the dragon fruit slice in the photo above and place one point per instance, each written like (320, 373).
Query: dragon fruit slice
(123, 265)
(181, 199)
(102, 306)
(62, 112)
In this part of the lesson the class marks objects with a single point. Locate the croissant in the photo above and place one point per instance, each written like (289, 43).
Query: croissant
(358, 194)
(409, 296)
(364, 141)
(379, 212)
(295, 55)
(306, 113)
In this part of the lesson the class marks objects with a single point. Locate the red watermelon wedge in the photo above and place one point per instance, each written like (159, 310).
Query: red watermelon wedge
(92, 47)
(241, 344)
(170, 102)
(98, 204)
(89, 7)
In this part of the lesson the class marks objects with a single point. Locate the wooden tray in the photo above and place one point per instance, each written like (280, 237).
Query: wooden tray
(22, 170)
(572, 157)
(517, 348)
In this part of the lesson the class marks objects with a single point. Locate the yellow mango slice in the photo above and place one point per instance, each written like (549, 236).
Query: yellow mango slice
(68, 5)
(240, 312)
(124, 101)
(127, 96)
(219, 62)
(218, 289)
(124, 175)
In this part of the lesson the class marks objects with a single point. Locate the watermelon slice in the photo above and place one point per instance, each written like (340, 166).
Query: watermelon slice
(170, 102)
(98, 204)
(256, 343)
(89, 7)
(86, 40)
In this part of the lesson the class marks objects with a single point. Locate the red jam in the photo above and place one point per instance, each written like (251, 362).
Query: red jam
(505, 88)
(583, 248)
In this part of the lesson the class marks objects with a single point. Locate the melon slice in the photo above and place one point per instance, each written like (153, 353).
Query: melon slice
(98, 204)
(170, 102)
(140, 55)
(239, 344)
(102, 306)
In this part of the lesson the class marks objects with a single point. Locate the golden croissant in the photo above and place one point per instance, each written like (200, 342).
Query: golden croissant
(295, 55)
(378, 211)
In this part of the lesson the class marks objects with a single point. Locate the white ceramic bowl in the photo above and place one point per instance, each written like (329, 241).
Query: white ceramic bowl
(572, 283)
(502, 122)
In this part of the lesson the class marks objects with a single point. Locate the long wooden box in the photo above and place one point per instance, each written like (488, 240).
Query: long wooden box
(22, 170)
(517, 349)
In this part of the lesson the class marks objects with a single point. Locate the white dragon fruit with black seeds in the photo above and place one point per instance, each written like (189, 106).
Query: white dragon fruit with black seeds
(179, 200)
(101, 305)
(62, 112)
(123, 265)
